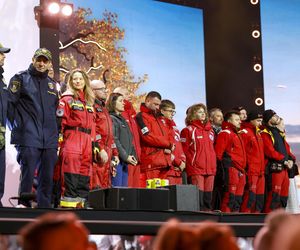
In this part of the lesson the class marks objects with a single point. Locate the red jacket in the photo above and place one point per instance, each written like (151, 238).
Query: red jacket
(104, 129)
(229, 142)
(198, 145)
(155, 137)
(129, 115)
(178, 154)
(254, 147)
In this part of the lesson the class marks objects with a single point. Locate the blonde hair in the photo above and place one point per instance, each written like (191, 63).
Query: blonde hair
(191, 113)
(88, 92)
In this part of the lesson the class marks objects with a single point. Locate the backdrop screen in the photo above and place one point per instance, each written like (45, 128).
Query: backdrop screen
(142, 44)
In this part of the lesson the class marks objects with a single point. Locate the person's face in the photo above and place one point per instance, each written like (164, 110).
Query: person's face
(217, 118)
(200, 114)
(168, 112)
(2, 58)
(119, 104)
(274, 121)
(51, 72)
(41, 63)
(153, 103)
(235, 120)
(257, 122)
(78, 81)
(243, 115)
(281, 125)
(100, 91)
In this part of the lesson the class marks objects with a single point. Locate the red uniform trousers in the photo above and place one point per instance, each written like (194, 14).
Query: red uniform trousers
(134, 176)
(76, 163)
(205, 184)
(278, 192)
(174, 176)
(253, 200)
(232, 198)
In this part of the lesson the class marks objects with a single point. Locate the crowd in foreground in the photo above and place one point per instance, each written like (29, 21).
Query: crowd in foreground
(64, 231)
(240, 162)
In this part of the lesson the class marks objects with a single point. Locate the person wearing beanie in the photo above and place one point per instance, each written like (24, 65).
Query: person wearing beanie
(231, 157)
(278, 159)
(3, 114)
(253, 199)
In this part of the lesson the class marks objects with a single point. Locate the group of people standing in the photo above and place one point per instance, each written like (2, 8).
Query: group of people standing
(102, 142)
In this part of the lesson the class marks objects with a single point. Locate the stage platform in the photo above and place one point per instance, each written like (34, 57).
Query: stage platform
(133, 222)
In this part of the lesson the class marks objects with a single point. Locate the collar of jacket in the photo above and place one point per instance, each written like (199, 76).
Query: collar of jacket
(144, 109)
(100, 102)
(1, 72)
(228, 125)
(197, 123)
(32, 71)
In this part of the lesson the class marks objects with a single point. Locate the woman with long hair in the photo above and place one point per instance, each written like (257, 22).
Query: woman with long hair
(123, 139)
(77, 123)
(197, 141)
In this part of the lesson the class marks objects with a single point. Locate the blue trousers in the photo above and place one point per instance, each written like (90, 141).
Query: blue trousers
(121, 179)
(44, 161)
(2, 173)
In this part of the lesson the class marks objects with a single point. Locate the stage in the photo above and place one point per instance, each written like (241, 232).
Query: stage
(135, 222)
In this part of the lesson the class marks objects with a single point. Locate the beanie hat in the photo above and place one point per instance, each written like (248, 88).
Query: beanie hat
(267, 115)
(254, 115)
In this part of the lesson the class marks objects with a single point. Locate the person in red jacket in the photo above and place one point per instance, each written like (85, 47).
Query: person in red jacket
(156, 141)
(129, 115)
(278, 159)
(104, 137)
(198, 145)
(167, 109)
(76, 112)
(253, 200)
(231, 157)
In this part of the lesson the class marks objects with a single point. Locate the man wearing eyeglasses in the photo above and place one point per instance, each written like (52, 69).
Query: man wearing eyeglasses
(167, 109)
(104, 138)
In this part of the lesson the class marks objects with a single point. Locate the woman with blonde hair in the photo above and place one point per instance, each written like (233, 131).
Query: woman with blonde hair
(197, 141)
(76, 112)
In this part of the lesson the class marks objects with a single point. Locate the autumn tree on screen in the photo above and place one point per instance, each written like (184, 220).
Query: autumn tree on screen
(94, 46)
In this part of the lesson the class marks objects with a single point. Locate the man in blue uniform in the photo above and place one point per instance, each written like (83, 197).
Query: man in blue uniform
(32, 106)
(3, 110)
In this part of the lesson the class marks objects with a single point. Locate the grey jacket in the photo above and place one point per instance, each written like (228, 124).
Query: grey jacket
(123, 137)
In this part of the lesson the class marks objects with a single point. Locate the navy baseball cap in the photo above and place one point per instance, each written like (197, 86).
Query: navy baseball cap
(3, 49)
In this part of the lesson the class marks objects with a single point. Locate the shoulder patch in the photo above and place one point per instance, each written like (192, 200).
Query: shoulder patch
(51, 85)
(59, 112)
(145, 130)
(15, 86)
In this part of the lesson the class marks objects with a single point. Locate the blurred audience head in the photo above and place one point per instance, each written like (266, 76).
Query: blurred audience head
(59, 231)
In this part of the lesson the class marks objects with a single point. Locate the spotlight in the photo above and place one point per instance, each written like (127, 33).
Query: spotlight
(257, 67)
(259, 101)
(53, 8)
(254, 2)
(66, 10)
(255, 33)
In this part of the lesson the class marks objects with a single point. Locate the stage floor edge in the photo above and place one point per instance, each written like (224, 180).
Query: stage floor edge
(133, 222)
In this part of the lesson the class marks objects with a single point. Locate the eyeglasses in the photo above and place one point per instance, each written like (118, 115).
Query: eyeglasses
(171, 111)
(101, 89)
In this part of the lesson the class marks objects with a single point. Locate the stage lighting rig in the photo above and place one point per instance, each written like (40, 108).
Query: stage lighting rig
(53, 8)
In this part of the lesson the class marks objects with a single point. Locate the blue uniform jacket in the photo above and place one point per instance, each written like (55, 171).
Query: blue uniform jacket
(32, 103)
(3, 99)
